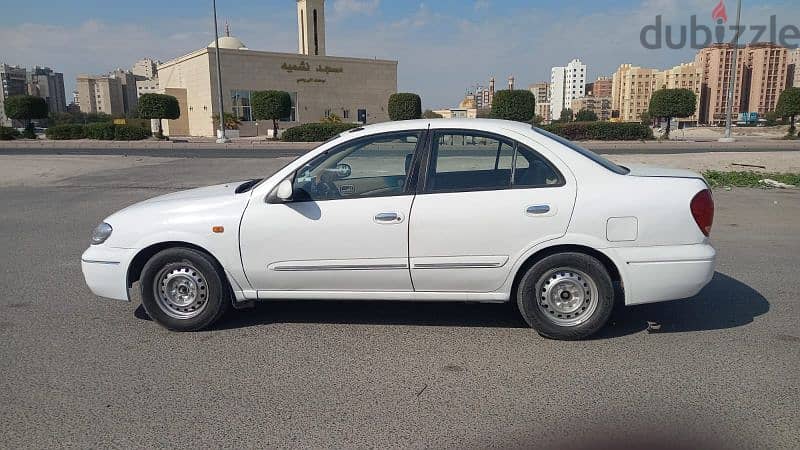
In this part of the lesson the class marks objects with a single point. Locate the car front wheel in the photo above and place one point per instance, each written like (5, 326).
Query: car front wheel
(182, 290)
(566, 296)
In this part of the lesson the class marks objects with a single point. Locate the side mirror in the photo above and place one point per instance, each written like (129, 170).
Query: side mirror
(284, 191)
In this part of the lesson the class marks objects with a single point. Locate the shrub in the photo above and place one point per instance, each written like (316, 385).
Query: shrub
(159, 106)
(601, 131)
(316, 132)
(586, 115)
(130, 133)
(100, 131)
(29, 132)
(65, 132)
(405, 106)
(8, 133)
(518, 106)
(271, 105)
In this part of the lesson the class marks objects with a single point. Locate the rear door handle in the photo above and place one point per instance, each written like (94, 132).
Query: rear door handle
(387, 217)
(538, 209)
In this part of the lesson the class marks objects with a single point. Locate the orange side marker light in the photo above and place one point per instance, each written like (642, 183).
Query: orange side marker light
(218, 229)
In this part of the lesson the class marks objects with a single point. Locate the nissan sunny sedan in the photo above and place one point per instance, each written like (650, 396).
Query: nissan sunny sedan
(428, 210)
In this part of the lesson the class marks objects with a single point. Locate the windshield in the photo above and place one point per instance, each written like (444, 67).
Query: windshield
(587, 153)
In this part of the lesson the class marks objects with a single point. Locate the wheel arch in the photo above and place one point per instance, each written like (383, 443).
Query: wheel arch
(611, 267)
(138, 262)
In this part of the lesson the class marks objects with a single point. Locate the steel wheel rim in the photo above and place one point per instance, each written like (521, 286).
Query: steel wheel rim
(567, 297)
(181, 291)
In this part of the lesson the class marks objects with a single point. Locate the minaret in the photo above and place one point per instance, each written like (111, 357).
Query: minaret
(491, 91)
(511, 83)
(311, 27)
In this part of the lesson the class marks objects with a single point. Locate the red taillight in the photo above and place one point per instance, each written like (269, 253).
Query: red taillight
(703, 211)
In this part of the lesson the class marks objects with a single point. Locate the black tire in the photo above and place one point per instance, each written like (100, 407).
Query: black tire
(212, 295)
(535, 307)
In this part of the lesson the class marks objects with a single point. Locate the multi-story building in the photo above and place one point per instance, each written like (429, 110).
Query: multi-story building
(146, 68)
(793, 73)
(150, 86)
(101, 94)
(114, 93)
(631, 90)
(541, 91)
(762, 71)
(600, 88)
(598, 105)
(566, 83)
(485, 96)
(45, 83)
(684, 76)
(13, 81)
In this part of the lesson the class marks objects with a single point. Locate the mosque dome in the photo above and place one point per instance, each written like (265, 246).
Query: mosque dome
(229, 42)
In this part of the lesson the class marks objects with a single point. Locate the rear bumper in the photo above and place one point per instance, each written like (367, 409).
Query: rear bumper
(106, 271)
(657, 274)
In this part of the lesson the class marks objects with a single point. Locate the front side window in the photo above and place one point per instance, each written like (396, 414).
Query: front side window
(375, 166)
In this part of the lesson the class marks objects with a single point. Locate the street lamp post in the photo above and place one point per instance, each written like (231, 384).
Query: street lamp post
(732, 85)
(221, 139)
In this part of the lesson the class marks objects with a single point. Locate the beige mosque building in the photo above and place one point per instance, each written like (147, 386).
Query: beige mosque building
(354, 89)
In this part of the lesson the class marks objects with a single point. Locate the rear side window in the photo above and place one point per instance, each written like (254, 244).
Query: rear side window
(464, 160)
(587, 153)
(470, 161)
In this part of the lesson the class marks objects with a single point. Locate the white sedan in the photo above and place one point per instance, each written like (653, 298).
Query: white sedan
(428, 210)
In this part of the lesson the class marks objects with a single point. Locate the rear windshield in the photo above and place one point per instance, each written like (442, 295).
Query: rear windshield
(587, 153)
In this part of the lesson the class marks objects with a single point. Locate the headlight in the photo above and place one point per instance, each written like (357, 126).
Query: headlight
(101, 233)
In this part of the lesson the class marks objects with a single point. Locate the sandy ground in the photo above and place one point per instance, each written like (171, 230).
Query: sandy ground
(770, 161)
(44, 170)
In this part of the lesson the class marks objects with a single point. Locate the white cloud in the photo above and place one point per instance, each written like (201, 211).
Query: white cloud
(345, 8)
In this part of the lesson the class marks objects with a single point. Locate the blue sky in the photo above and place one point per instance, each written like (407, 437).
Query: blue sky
(442, 46)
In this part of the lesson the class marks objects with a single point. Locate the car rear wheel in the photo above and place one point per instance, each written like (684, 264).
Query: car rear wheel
(182, 290)
(566, 296)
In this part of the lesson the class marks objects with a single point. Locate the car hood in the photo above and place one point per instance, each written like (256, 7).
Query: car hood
(208, 192)
(641, 170)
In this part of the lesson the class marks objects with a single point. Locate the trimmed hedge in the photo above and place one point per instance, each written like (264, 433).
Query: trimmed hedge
(316, 132)
(8, 133)
(66, 132)
(405, 106)
(601, 131)
(518, 106)
(130, 133)
(100, 131)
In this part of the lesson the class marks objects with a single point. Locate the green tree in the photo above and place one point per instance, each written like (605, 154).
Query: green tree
(517, 105)
(645, 118)
(672, 103)
(271, 105)
(586, 115)
(566, 115)
(428, 114)
(26, 108)
(789, 106)
(159, 106)
(405, 106)
(538, 120)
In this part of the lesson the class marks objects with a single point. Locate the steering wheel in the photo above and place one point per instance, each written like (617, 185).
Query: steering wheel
(325, 188)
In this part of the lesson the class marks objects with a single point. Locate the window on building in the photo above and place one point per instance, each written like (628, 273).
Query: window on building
(345, 114)
(240, 105)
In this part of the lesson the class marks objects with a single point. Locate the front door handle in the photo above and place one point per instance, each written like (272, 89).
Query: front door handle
(388, 217)
(538, 209)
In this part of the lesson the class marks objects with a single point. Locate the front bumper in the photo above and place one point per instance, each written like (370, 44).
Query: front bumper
(106, 271)
(657, 274)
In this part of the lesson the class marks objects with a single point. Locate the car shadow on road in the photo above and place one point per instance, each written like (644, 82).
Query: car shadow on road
(724, 303)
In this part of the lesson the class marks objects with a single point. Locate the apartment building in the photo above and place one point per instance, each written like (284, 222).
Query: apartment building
(566, 83)
(632, 87)
(541, 91)
(793, 73)
(13, 81)
(45, 83)
(599, 105)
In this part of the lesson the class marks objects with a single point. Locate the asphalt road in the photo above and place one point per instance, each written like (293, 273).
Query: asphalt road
(83, 372)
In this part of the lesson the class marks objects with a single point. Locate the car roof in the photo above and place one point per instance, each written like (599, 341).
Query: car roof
(469, 124)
